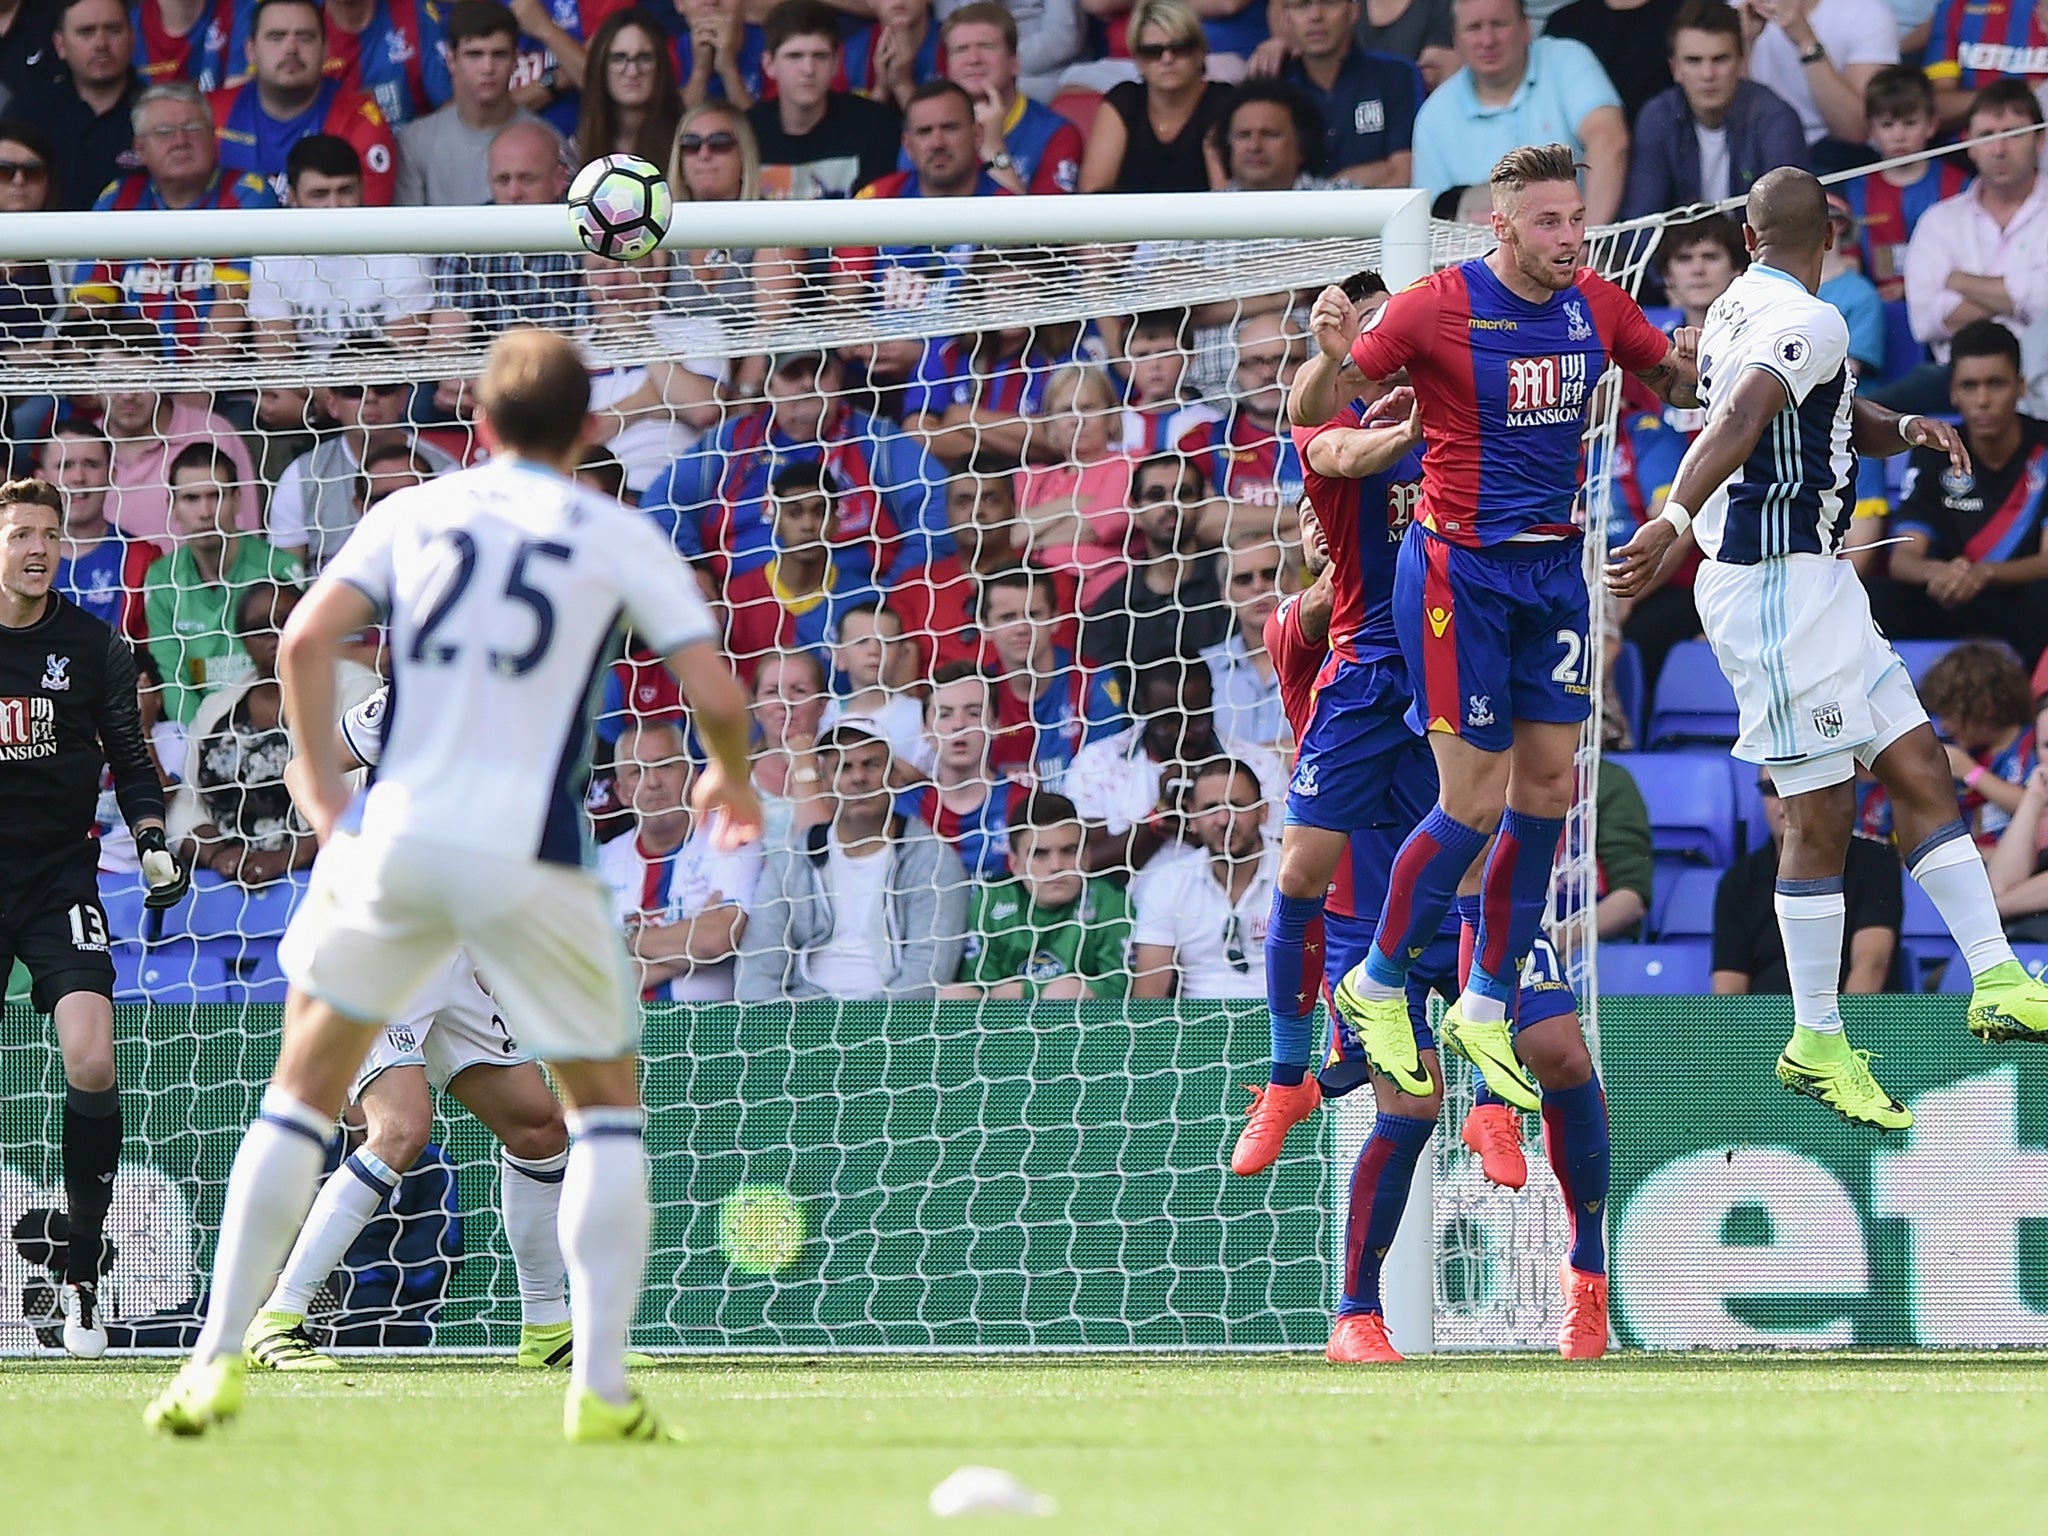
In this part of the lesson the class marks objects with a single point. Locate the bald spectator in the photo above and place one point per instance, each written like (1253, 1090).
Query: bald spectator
(1517, 89)
(489, 294)
(442, 156)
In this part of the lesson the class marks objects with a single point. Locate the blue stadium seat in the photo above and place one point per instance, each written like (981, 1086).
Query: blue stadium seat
(1628, 688)
(2033, 956)
(1693, 702)
(1750, 824)
(1691, 803)
(177, 972)
(1655, 968)
(122, 896)
(1922, 920)
(265, 989)
(1685, 904)
(1903, 351)
(221, 908)
(1919, 655)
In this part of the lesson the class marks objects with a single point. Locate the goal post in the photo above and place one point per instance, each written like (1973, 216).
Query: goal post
(1465, 1255)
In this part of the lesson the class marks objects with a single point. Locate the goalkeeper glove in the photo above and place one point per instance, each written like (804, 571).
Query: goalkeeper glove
(168, 880)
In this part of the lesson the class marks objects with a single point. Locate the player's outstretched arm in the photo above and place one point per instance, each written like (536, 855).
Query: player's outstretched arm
(1317, 393)
(1882, 433)
(1352, 453)
(718, 709)
(1677, 379)
(1714, 456)
(306, 656)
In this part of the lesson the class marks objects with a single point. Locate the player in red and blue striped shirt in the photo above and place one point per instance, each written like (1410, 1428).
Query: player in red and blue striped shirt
(1490, 592)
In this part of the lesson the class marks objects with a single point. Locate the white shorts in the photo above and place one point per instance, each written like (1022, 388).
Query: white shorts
(381, 919)
(451, 1027)
(1818, 686)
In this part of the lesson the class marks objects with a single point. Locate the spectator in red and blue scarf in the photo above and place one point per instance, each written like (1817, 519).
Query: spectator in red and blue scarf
(712, 502)
(195, 305)
(287, 98)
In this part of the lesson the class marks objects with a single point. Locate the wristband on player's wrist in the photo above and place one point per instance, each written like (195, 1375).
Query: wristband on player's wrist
(1906, 426)
(1676, 514)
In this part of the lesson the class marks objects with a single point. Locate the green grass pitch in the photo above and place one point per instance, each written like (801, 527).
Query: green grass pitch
(1645, 1444)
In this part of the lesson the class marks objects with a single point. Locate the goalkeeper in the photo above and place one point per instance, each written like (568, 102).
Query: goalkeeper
(1051, 930)
(67, 712)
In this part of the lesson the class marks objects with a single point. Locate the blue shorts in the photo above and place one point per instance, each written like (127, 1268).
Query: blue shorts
(1493, 635)
(1357, 744)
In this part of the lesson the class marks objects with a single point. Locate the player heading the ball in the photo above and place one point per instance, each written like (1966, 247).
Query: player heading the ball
(1818, 687)
(1490, 590)
(501, 589)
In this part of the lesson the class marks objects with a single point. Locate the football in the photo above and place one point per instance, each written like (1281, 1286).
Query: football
(620, 207)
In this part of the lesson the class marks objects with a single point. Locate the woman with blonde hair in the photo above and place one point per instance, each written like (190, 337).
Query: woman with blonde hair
(631, 102)
(1153, 134)
(715, 158)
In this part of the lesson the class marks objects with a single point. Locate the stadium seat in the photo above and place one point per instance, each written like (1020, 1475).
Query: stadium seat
(1750, 826)
(1919, 655)
(1691, 803)
(176, 973)
(2033, 956)
(1685, 904)
(1078, 106)
(223, 909)
(1903, 351)
(122, 896)
(1693, 702)
(1655, 968)
(1628, 688)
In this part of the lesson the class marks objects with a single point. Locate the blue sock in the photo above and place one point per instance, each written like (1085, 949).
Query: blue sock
(1575, 1139)
(1481, 1094)
(1511, 898)
(1294, 978)
(1379, 1194)
(1420, 889)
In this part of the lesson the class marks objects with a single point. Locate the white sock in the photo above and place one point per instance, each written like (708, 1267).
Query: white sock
(347, 1201)
(1811, 915)
(605, 1225)
(1477, 1008)
(1951, 872)
(530, 1200)
(269, 1189)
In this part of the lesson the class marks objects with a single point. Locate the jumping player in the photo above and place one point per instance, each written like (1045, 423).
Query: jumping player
(502, 588)
(1819, 688)
(1298, 638)
(454, 1041)
(1490, 593)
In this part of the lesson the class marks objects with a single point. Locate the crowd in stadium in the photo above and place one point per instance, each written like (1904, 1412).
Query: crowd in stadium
(1001, 599)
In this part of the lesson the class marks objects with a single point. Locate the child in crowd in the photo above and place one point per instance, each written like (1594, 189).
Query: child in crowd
(1899, 105)
(1978, 697)
(1158, 409)
(874, 678)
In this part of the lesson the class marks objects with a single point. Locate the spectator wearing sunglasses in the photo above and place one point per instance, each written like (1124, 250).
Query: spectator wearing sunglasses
(1155, 134)
(1200, 925)
(28, 289)
(85, 106)
(309, 305)
(315, 506)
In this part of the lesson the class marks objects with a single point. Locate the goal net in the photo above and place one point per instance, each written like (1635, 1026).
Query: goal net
(979, 387)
